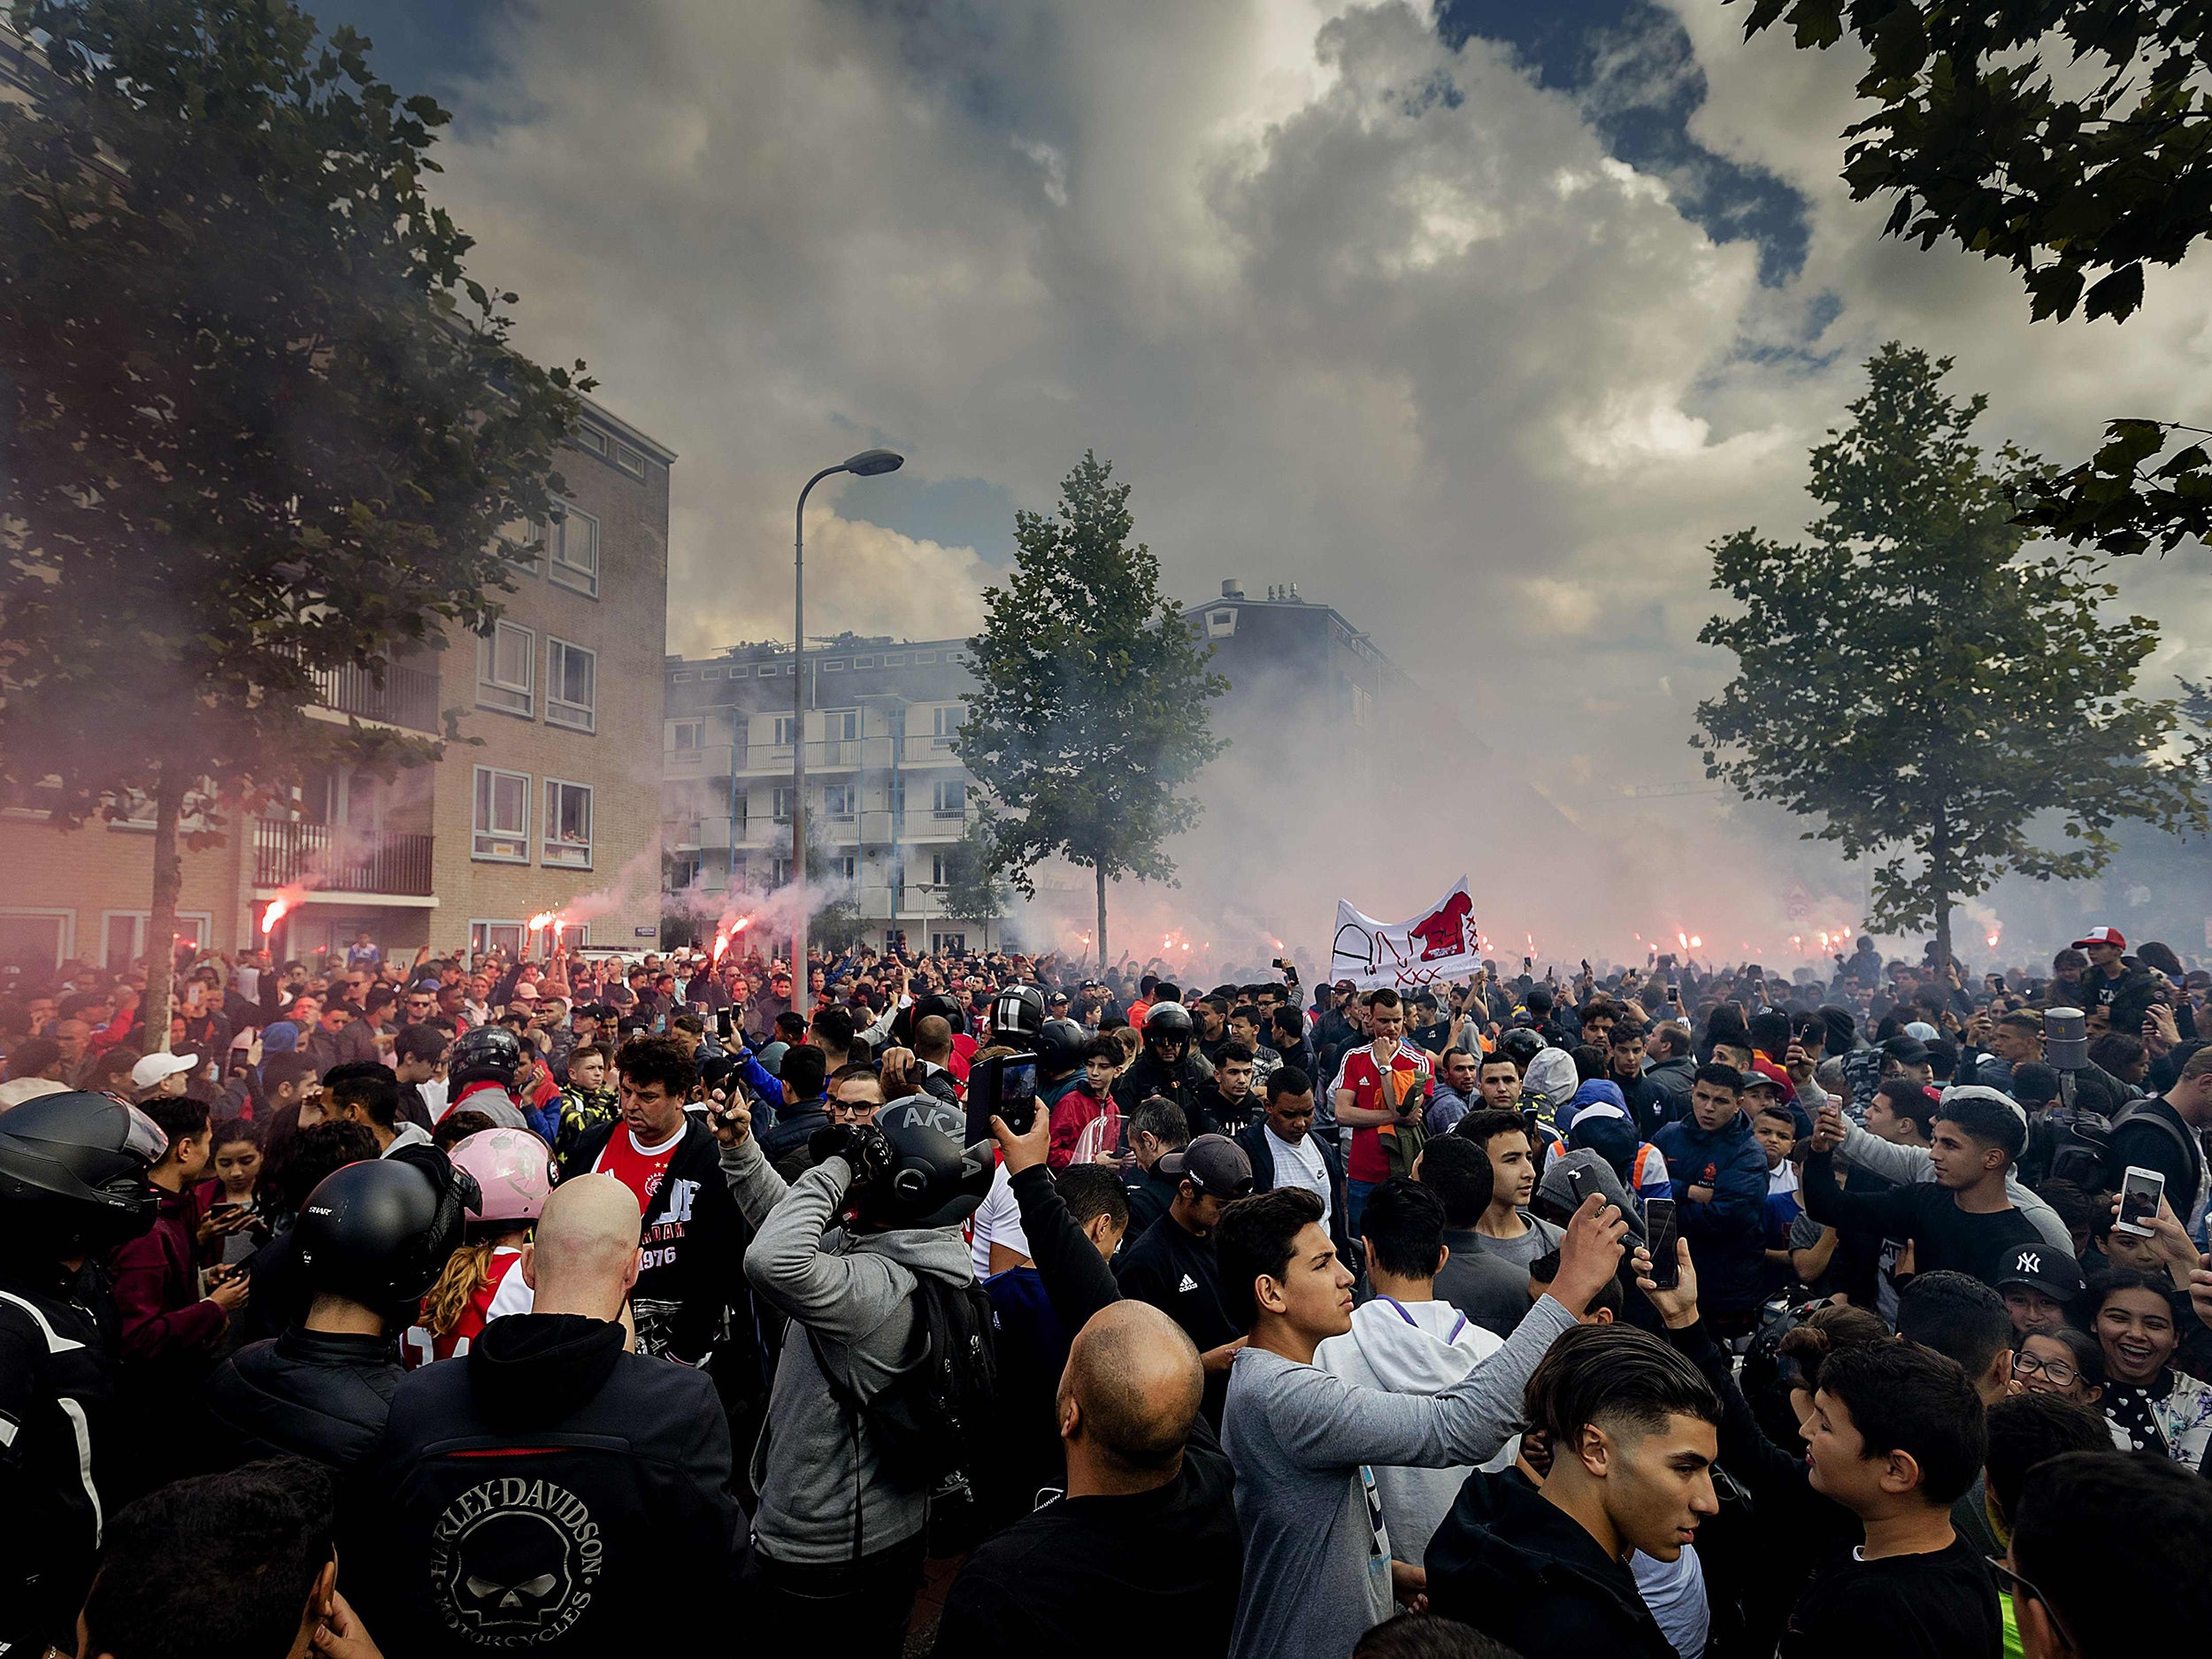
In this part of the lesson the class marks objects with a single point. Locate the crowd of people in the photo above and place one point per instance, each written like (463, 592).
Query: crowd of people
(968, 1303)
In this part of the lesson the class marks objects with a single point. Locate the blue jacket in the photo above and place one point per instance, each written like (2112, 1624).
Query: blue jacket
(1726, 1236)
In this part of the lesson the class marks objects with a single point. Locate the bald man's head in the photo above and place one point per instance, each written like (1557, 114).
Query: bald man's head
(583, 1258)
(932, 1038)
(1135, 1382)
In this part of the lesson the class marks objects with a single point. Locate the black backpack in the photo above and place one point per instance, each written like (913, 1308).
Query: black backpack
(2138, 1111)
(930, 1424)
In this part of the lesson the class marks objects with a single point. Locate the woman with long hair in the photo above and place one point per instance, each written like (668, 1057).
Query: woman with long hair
(482, 1279)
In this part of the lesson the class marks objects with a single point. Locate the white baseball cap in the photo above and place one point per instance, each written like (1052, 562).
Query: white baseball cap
(152, 1069)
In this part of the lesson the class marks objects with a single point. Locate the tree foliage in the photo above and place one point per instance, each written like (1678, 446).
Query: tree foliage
(2078, 180)
(1925, 685)
(1089, 718)
(975, 884)
(255, 419)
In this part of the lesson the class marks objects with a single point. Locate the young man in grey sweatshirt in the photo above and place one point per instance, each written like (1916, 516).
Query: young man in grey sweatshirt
(1318, 1570)
(837, 1543)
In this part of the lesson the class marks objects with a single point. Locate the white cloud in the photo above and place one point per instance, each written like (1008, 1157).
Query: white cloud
(1348, 308)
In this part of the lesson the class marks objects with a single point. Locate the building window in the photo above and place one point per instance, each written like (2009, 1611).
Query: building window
(688, 734)
(783, 729)
(503, 661)
(924, 657)
(1363, 706)
(955, 943)
(864, 662)
(572, 674)
(949, 797)
(778, 872)
(1221, 624)
(897, 660)
(894, 797)
(835, 666)
(629, 460)
(567, 824)
(940, 871)
(503, 817)
(485, 937)
(844, 866)
(572, 544)
(945, 722)
(592, 439)
(36, 939)
(837, 801)
(780, 803)
(739, 672)
(124, 934)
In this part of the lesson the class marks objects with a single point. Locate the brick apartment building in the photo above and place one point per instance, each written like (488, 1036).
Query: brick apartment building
(559, 800)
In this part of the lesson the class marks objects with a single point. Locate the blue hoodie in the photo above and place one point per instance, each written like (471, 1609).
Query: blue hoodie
(1726, 1236)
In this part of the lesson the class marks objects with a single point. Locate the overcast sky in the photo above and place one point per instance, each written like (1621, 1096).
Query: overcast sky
(1478, 322)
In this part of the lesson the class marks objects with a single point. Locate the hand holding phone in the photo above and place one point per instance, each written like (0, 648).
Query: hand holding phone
(2141, 1191)
(733, 1116)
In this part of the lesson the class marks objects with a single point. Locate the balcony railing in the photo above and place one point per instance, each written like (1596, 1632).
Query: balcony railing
(330, 855)
(408, 697)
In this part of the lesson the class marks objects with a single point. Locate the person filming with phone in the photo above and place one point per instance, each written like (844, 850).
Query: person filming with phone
(864, 1255)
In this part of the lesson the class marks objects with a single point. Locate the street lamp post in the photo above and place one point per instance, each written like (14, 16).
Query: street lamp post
(867, 463)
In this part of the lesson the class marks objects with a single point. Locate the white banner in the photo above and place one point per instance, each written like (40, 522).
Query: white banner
(1441, 943)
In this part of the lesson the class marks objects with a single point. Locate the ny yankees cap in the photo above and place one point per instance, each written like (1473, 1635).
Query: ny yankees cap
(2039, 1267)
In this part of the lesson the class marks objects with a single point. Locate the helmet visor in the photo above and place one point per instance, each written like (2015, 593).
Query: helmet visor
(144, 1136)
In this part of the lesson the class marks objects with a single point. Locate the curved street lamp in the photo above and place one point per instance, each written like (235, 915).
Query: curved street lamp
(867, 463)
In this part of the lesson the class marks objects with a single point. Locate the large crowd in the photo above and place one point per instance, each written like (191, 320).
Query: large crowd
(970, 1304)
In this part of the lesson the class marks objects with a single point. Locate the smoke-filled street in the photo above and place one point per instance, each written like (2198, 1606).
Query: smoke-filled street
(1285, 829)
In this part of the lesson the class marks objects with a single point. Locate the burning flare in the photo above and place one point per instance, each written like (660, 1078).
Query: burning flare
(278, 908)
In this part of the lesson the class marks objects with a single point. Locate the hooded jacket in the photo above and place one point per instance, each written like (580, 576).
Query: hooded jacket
(1671, 1079)
(1549, 1084)
(824, 1497)
(1420, 1347)
(1525, 1574)
(1726, 1235)
(1253, 1138)
(548, 1492)
(319, 1394)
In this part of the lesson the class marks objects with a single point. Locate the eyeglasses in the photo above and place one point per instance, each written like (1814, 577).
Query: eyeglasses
(2019, 1589)
(2055, 1371)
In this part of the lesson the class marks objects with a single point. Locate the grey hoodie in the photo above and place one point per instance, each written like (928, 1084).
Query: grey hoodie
(856, 1292)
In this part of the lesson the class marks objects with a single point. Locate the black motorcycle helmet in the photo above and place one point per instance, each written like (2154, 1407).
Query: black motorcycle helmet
(378, 1232)
(1167, 1022)
(1059, 1047)
(73, 1175)
(1017, 1014)
(1521, 1045)
(490, 1053)
(931, 1183)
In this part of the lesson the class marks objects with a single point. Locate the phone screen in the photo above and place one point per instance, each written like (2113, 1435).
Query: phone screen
(2141, 1190)
(1659, 1236)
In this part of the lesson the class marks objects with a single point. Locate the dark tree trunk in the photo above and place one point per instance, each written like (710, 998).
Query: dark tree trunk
(1100, 872)
(161, 923)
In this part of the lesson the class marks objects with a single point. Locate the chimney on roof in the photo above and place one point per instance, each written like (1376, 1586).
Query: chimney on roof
(1293, 594)
(1233, 589)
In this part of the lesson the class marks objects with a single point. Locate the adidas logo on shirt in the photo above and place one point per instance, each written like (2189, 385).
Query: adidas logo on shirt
(1188, 1284)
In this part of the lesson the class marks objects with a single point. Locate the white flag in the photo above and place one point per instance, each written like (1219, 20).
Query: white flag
(1441, 943)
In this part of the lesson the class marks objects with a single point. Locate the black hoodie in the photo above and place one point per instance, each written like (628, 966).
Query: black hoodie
(1525, 1573)
(548, 1490)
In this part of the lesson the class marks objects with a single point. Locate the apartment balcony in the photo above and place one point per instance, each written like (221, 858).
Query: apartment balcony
(328, 857)
(408, 696)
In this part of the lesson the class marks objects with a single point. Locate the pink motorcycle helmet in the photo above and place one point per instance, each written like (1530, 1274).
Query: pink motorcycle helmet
(513, 1170)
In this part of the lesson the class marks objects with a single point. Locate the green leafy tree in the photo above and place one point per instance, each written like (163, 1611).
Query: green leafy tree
(2077, 179)
(1089, 719)
(1923, 685)
(975, 885)
(255, 421)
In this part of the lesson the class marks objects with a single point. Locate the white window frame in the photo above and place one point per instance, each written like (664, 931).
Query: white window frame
(575, 575)
(496, 694)
(1221, 622)
(66, 945)
(629, 460)
(481, 940)
(697, 727)
(845, 866)
(574, 717)
(780, 727)
(937, 871)
(937, 805)
(832, 792)
(946, 719)
(139, 920)
(591, 438)
(480, 834)
(779, 799)
(554, 854)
